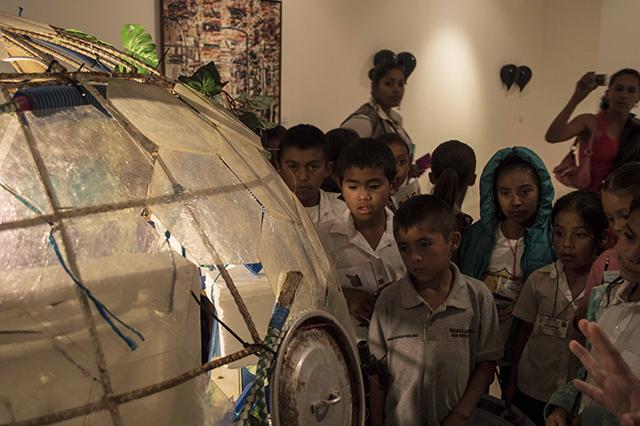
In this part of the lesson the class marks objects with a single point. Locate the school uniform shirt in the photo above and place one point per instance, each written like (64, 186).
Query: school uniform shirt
(357, 264)
(546, 302)
(431, 353)
(619, 318)
(503, 277)
(328, 209)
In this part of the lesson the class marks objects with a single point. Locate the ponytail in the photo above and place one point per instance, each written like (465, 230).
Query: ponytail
(453, 168)
(448, 186)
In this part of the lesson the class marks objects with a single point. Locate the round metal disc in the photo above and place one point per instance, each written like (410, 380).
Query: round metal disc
(316, 379)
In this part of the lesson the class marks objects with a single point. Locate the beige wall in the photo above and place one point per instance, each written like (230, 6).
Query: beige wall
(455, 91)
(619, 35)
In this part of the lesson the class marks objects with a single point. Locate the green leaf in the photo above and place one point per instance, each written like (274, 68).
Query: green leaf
(265, 124)
(250, 120)
(254, 103)
(205, 80)
(138, 43)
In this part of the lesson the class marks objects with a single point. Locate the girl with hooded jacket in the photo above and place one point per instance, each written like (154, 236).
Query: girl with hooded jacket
(513, 236)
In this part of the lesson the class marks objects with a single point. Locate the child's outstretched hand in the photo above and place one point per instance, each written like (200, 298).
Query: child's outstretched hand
(360, 304)
(616, 387)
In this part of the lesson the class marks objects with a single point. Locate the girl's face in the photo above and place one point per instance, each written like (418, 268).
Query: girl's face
(616, 207)
(401, 154)
(628, 249)
(390, 89)
(573, 242)
(518, 193)
(623, 93)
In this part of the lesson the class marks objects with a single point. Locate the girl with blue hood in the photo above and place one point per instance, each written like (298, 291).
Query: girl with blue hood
(513, 236)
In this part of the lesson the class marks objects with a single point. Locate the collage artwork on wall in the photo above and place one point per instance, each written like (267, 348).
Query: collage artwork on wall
(242, 37)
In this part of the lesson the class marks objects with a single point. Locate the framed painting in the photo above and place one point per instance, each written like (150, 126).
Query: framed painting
(242, 37)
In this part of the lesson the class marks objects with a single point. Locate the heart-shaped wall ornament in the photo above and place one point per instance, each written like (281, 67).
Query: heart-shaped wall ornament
(524, 76)
(508, 75)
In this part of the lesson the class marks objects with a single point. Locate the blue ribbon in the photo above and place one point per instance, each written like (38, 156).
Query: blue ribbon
(104, 312)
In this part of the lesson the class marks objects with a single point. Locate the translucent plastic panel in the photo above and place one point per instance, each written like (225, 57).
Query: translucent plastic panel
(26, 264)
(131, 270)
(132, 274)
(163, 118)
(249, 163)
(89, 159)
(288, 246)
(216, 209)
(41, 372)
(217, 114)
(18, 171)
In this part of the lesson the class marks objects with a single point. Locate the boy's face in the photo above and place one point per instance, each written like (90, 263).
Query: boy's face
(366, 192)
(425, 252)
(628, 249)
(304, 170)
(518, 193)
(401, 154)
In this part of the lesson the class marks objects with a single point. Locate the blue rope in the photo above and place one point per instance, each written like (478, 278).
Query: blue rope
(104, 312)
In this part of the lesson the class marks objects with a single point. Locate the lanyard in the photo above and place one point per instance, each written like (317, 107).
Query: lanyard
(514, 251)
(555, 298)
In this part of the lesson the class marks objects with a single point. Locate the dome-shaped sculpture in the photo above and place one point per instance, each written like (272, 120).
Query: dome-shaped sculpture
(99, 314)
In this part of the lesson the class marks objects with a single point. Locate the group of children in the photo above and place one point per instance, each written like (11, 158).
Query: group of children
(441, 301)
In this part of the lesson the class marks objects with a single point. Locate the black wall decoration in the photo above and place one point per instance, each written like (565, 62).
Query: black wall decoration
(510, 74)
(524, 75)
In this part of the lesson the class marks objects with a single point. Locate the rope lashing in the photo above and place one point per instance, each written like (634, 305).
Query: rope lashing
(256, 400)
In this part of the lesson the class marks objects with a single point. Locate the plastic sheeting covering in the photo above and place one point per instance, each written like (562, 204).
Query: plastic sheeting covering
(216, 194)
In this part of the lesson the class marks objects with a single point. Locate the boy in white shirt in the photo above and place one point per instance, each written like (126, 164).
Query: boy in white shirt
(360, 243)
(304, 161)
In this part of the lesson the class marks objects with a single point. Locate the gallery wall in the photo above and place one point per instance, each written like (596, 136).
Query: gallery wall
(460, 45)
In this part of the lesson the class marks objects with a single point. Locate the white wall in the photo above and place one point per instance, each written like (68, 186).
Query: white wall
(619, 35)
(455, 91)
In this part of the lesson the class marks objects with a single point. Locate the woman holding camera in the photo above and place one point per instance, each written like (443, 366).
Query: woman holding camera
(615, 131)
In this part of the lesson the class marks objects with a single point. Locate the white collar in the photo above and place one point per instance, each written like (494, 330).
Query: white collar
(346, 226)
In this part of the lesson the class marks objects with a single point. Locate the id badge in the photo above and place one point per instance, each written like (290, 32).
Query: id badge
(366, 276)
(550, 326)
(380, 273)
